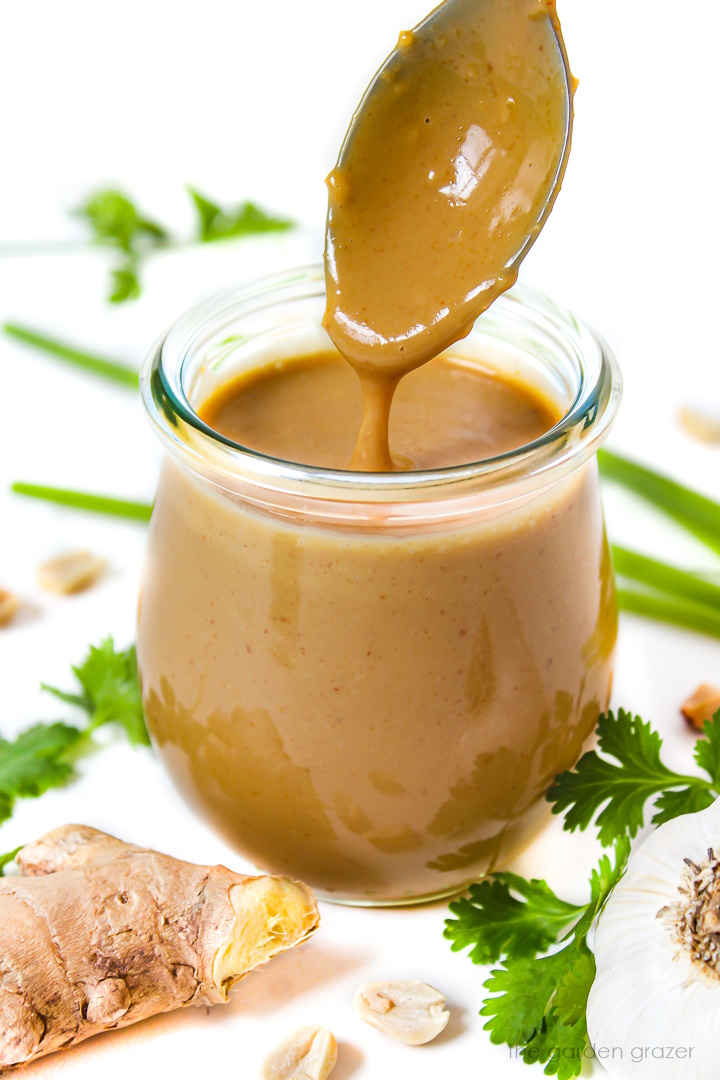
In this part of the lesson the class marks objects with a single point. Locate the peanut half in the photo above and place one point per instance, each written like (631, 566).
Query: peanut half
(409, 1010)
(70, 573)
(701, 706)
(9, 606)
(308, 1054)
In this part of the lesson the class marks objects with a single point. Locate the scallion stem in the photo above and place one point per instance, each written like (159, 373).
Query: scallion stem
(692, 616)
(98, 365)
(85, 500)
(697, 513)
(666, 578)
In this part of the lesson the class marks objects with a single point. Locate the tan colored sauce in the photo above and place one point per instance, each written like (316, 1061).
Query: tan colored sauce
(377, 714)
(444, 181)
(448, 412)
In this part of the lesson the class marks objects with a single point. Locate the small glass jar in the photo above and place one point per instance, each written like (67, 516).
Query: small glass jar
(368, 681)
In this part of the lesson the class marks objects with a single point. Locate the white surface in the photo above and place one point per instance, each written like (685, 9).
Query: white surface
(231, 97)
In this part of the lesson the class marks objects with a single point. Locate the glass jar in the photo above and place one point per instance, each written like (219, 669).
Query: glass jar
(368, 681)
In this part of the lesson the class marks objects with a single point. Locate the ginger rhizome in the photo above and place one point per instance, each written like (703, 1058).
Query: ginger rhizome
(97, 934)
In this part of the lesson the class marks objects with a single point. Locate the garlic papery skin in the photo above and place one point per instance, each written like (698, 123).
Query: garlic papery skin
(654, 1012)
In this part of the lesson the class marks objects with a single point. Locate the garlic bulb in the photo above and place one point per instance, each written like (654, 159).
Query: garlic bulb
(654, 1008)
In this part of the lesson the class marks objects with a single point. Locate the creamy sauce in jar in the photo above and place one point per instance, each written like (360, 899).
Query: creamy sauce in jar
(449, 412)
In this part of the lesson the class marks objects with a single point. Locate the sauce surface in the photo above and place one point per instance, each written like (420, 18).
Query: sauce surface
(445, 179)
(449, 412)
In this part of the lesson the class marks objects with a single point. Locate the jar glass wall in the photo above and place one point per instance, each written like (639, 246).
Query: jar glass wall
(368, 681)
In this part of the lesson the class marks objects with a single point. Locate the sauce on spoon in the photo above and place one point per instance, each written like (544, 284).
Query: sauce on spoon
(446, 176)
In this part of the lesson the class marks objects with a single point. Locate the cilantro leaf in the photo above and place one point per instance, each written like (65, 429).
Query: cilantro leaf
(537, 1003)
(602, 882)
(246, 219)
(522, 990)
(625, 785)
(8, 858)
(707, 750)
(685, 800)
(562, 1041)
(570, 1001)
(506, 915)
(115, 220)
(125, 283)
(540, 1004)
(562, 1047)
(35, 762)
(110, 691)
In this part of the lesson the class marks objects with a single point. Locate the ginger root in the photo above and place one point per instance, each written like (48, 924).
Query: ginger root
(98, 934)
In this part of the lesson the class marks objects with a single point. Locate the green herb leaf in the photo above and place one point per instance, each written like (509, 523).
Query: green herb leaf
(125, 284)
(34, 762)
(570, 1001)
(42, 756)
(625, 785)
(602, 882)
(562, 1041)
(707, 750)
(245, 219)
(684, 800)
(536, 1003)
(564, 1048)
(540, 1004)
(110, 690)
(115, 220)
(506, 915)
(8, 858)
(521, 991)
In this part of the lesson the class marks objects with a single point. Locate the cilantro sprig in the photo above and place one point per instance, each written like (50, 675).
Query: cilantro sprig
(109, 690)
(116, 222)
(537, 997)
(506, 915)
(536, 1003)
(610, 786)
(37, 760)
(44, 755)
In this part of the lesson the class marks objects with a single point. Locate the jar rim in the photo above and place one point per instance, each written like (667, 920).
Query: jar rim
(570, 442)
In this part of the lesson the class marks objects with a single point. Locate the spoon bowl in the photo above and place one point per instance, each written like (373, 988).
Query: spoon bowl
(449, 169)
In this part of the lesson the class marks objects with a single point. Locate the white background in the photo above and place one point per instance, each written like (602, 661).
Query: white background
(251, 101)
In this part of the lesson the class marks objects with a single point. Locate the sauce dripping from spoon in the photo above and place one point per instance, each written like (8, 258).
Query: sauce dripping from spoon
(448, 172)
